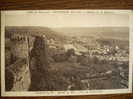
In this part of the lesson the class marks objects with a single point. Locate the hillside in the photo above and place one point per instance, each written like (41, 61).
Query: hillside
(33, 30)
(96, 32)
(121, 33)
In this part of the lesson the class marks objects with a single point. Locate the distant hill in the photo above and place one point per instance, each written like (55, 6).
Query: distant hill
(33, 30)
(115, 34)
(96, 32)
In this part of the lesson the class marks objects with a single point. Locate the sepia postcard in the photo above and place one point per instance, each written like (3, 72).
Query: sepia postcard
(66, 52)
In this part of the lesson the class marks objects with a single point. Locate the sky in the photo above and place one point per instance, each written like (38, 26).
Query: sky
(67, 19)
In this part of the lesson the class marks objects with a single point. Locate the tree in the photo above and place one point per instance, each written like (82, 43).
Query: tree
(70, 52)
(95, 60)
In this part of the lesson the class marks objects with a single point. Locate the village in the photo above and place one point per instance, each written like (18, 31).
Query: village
(102, 52)
(101, 61)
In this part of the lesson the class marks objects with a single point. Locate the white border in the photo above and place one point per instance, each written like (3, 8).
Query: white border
(65, 93)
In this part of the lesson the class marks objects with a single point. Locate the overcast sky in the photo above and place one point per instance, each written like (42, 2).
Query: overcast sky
(67, 20)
